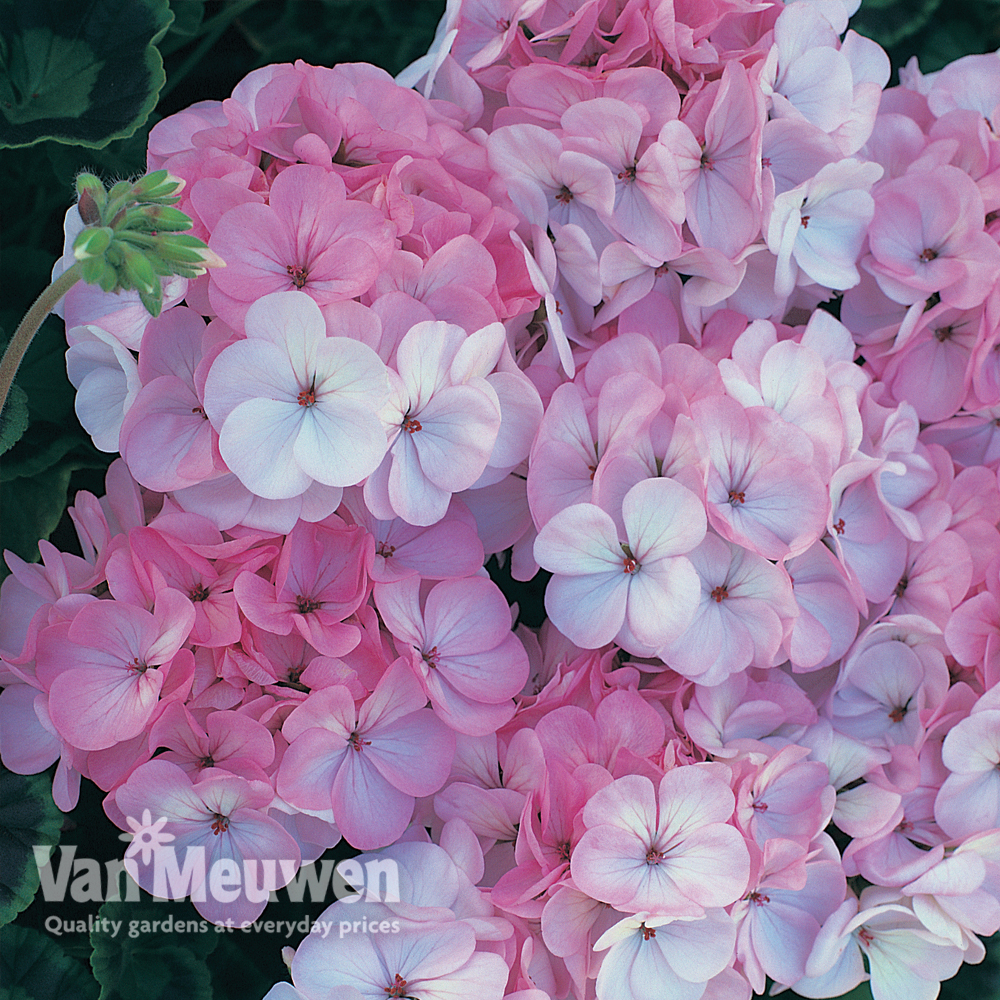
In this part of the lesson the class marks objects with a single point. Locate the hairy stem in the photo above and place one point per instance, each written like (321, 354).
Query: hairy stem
(28, 327)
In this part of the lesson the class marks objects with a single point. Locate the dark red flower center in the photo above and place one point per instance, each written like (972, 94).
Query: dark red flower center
(298, 274)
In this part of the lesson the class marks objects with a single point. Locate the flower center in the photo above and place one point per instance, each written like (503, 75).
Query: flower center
(719, 594)
(357, 742)
(199, 592)
(630, 564)
(220, 823)
(384, 550)
(307, 397)
(398, 987)
(737, 496)
(298, 274)
(647, 932)
(431, 657)
(411, 425)
(840, 527)
(654, 857)
(928, 254)
(306, 605)
(565, 195)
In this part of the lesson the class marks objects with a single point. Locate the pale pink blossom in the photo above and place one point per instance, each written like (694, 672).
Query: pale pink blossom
(294, 406)
(641, 591)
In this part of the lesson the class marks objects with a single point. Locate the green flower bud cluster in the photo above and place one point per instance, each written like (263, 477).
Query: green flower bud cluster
(134, 237)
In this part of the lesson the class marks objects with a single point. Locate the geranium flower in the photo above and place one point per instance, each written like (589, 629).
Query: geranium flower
(667, 850)
(294, 406)
(641, 592)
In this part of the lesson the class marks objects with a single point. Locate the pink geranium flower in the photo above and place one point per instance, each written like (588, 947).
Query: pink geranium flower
(368, 763)
(105, 669)
(460, 646)
(641, 592)
(667, 850)
(221, 816)
(333, 256)
(294, 406)
(442, 421)
(320, 580)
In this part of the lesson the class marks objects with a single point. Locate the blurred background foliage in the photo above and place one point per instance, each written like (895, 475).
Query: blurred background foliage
(180, 52)
(935, 31)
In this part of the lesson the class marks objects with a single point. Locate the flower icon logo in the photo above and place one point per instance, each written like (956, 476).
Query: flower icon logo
(146, 837)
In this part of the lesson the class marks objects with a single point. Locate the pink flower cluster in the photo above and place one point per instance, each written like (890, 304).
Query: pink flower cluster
(563, 303)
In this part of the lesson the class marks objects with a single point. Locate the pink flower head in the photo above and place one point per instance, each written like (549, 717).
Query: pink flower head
(927, 237)
(294, 406)
(442, 421)
(762, 492)
(370, 762)
(106, 668)
(308, 237)
(641, 592)
(460, 646)
(320, 580)
(667, 850)
(245, 854)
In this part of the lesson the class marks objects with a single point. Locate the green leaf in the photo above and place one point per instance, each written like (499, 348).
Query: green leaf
(888, 22)
(79, 73)
(28, 817)
(121, 158)
(47, 76)
(32, 508)
(42, 446)
(235, 974)
(188, 15)
(14, 419)
(34, 966)
(155, 963)
(42, 376)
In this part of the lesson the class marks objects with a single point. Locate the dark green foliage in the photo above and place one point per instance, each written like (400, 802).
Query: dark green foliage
(138, 963)
(935, 31)
(34, 967)
(28, 818)
(14, 419)
(81, 73)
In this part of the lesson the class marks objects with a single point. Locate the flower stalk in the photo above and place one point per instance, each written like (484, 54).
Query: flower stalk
(133, 238)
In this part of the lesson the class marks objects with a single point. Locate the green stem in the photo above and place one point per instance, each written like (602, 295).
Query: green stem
(28, 327)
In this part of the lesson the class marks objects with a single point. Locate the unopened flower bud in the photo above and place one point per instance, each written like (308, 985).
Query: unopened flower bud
(87, 207)
(157, 187)
(92, 242)
(164, 219)
(138, 271)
